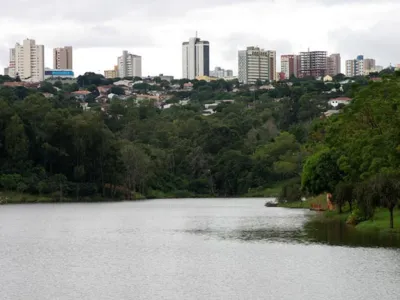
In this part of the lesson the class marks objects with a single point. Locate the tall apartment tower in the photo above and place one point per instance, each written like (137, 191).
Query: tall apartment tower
(10, 70)
(195, 58)
(29, 60)
(334, 64)
(313, 63)
(129, 65)
(256, 64)
(62, 58)
(369, 65)
(359, 66)
(290, 65)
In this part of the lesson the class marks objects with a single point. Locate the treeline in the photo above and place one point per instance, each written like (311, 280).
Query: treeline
(50, 146)
(356, 154)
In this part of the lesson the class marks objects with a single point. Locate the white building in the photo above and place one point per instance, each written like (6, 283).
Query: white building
(129, 65)
(341, 100)
(221, 73)
(29, 61)
(10, 70)
(195, 58)
(256, 64)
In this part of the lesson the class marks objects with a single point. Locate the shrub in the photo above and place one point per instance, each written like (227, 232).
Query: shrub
(290, 193)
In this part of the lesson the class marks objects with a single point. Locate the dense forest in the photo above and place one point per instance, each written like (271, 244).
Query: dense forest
(127, 149)
(50, 145)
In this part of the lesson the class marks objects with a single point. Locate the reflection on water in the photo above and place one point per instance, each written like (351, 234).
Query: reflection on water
(338, 233)
(312, 231)
(187, 249)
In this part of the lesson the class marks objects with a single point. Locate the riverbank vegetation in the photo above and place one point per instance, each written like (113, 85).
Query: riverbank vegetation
(65, 144)
(94, 141)
(356, 156)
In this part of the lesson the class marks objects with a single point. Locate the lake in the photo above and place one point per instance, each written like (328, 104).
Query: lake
(188, 249)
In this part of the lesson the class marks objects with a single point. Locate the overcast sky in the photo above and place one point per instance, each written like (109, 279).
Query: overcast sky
(100, 29)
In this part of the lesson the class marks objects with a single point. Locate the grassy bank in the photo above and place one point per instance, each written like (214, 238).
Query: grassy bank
(15, 198)
(321, 200)
(380, 221)
(20, 198)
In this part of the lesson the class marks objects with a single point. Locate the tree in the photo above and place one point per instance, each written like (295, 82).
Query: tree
(137, 170)
(339, 77)
(321, 172)
(16, 140)
(387, 187)
(117, 90)
(343, 193)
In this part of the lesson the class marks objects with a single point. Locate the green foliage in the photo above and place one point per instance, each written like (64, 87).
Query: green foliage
(361, 148)
(290, 193)
(125, 149)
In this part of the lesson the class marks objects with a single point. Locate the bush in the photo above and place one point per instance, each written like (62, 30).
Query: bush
(290, 193)
(357, 216)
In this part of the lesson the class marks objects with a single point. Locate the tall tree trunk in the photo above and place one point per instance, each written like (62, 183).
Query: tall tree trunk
(77, 192)
(391, 216)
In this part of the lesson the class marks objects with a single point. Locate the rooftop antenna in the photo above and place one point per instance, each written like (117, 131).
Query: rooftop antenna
(196, 34)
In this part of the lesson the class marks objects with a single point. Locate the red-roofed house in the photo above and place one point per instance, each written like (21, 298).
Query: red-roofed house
(33, 85)
(81, 95)
(340, 100)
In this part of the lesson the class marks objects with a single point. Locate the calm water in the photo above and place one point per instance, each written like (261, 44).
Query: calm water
(187, 249)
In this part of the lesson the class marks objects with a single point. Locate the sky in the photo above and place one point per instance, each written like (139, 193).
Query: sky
(99, 30)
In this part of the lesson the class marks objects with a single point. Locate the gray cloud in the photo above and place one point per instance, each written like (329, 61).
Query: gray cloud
(343, 2)
(93, 11)
(379, 42)
(231, 43)
(91, 36)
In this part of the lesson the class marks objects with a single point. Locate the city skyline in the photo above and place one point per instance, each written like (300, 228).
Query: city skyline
(254, 63)
(359, 28)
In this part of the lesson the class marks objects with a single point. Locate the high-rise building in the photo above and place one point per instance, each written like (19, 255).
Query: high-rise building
(334, 64)
(369, 64)
(256, 64)
(129, 65)
(221, 73)
(62, 58)
(360, 66)
(313, 63)
(29, 60)
(290, 65)
(195, 58)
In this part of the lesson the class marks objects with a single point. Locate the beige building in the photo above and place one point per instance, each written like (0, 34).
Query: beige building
(369, 64)
(111, 73)
(62, 58)
(256, 64)
(334, 64)
(29, 61)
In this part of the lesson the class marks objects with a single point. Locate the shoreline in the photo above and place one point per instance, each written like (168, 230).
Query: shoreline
(10, 198)
(379, 223)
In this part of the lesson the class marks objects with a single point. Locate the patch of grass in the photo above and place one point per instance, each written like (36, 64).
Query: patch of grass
(320, 200)
(15, 197)
(381, 221)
